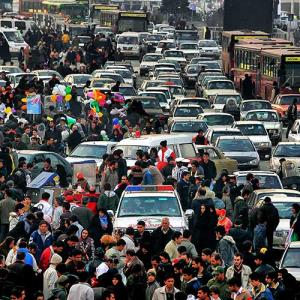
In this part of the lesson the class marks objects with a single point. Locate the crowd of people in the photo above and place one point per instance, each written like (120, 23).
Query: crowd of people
(55, 252)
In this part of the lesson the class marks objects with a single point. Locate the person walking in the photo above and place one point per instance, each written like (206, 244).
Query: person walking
(291, 116)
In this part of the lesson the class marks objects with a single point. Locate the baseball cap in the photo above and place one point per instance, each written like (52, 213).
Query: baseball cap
(179, 159)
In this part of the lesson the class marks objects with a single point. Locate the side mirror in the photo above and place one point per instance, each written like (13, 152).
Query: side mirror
(189, 213)
(111, 213)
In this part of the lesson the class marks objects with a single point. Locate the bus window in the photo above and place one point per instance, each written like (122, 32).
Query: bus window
(20, 25)
(6, 24)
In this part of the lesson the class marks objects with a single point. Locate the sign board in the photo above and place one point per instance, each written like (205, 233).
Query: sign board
(87, 168)
(133, 14)
(34, 105)
(292, 59)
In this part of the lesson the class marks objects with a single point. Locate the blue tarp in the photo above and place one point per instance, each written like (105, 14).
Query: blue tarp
(41, 180)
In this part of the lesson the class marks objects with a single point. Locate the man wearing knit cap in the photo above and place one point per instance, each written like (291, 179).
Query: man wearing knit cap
(163, 154)
(50, 275)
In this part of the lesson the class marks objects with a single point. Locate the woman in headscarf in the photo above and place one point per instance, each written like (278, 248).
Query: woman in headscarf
(231, 108)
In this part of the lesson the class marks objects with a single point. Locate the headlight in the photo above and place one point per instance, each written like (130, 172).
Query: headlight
(254, 161)
(264, 145)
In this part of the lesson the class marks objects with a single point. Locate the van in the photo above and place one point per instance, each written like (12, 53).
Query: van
(14, 40)
(21, 25)
(129, 43)
(181, 144)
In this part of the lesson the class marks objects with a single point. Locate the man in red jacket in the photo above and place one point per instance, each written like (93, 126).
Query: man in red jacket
(56, 247)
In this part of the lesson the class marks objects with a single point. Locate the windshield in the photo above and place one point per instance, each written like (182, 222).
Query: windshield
(207, 43)
(171, 80)
(214, 120)
(115, 77)
(128, 40)
(10, 69)
(168, 45)
(252, 129)
(252, 105)
(150, 103)
(265, 116)
(189, 46)
(154, 38)
(101, 83)
(188, 111)
(232, 145)
(188, 126)
(176, 90)
(265, 181)
(187, 35)
(153, 83)
(14, 36)
(222, 99)
(129, 151)
(173, 54)
(287, 151)
(138, 206)
(284, 209)
(213, 65)
(152, 58)
(124, 73)
(288, 100)
(160, 97)
(27, 76)
(82, 79)
(291, 258)
(216, 134)
(194, 69)
(220, 85)
(127, 91)
(89, 151)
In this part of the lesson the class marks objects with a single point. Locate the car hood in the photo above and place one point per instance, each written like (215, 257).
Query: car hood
(179, 59)
(214, 91)
(73, 160)
(190, 51)
(259, 138)
(151, 222)
(241, 156)
(209, 48)
(272, 125)
(148, 64)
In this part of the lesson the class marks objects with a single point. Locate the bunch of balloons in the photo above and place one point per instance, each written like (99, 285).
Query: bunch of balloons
(98, 99)
(116, 123)
(117, 97)
(60, 93)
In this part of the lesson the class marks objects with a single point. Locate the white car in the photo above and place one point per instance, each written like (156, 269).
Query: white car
(215, 87)
(127, 91)
(189, 50)
(294, 134)
(215, 119)
(271, 121)
(161, 97)
(150, 204)
(283, 206)
(258, 134)
(188, 127)
(164, 90)
(10, 69)
(126, 74)
(209, 48)
(221, 99)
(212, 134)
(175, 55)
(91, 151)
(148, 62)
(79, 80)
(290, 260)
(15, 78)
(267, 179)
(288, 150)
(185, 112)
(176, 91)
(241, 149)
(47, 73)
(165, 44)
(253, 104)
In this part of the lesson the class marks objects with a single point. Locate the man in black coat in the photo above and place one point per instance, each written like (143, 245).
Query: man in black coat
(122, 165)
(183, 187)
(209, 167)
(162, 235)
(270, 215)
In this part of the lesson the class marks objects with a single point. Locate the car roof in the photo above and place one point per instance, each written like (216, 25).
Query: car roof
(188, 105)
(239, 137)
(98, 143)
(278, 198)
(126, 85)
(294, 245)
(280, 191)
(224, 129)
(215, 113)
(179, 120)
(289, 143)
(242, 173)
(255, 100)
(228, 92)
(262, 110)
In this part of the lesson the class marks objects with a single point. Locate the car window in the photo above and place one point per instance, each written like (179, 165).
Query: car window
(252, 105)
(211, 151)
(252, 129)
(265, 181)
(284, 209)
(287, 151)
(231, 145)
(291, 258)
(220, 85)
(216, 134)
(222, 99)
(214, 120)
(264, 116)
(189, 126)
(188, 111)
(187, 150)
(96, 151)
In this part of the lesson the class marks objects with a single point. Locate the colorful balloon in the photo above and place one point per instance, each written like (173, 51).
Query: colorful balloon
(24, 100)
(53, 98)
(23, 107)
(68, 97)
(60, 98)
(115, 121)
(8, 110)
(90, 94)
(68, 90)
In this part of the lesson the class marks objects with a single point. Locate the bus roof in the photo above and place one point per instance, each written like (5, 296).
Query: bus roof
(244, 33)
(261, 47)
(289, 51)
(265, 41)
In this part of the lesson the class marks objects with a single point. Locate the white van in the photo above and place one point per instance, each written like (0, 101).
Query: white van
(21, 25)
(181, 144)
(14, 40)
(129, 43)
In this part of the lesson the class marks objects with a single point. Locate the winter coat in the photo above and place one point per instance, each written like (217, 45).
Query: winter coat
(262, 293)
(183, 192)
(147, 177)
(228, 206)
(161, 239)
(84, 215)
(110, 176)
(222, 286)
(50, 278)
(160, 293)
(158, 178)
(246, 271)
(190, 248)
(108, 200)
(41, 246)
(270, 215)
(151, 287)
(226, 247)
(240, 236)
(6, 207)
(171, 249)
(240, 211)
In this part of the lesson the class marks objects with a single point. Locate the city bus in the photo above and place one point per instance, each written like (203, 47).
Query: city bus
(280, 65)
(247, 58)
(135, 21)
(230, 39)
(105, 15)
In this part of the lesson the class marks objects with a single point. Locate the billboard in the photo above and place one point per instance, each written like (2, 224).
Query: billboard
(248, 15)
